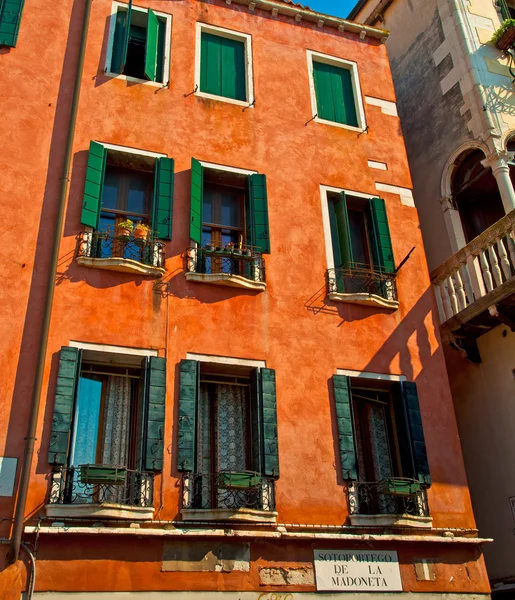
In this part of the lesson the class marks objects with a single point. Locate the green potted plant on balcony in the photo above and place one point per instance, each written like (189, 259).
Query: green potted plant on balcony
(239, 480)
(141, 232)
(398, 486)
(504, 37)
(124, 229)
(106, 474)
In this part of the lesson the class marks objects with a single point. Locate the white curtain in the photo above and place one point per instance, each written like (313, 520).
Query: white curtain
(115, 443)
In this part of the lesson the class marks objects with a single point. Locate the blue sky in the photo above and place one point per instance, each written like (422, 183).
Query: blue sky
(338, 8)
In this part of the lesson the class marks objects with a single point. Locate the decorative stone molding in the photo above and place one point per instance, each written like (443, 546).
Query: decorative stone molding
(228, 280)
(123, 265)
(391, 521)
(364, 300)
(226, 514)
(99, 511)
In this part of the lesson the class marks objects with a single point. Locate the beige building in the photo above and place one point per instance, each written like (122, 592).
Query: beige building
(456, 99)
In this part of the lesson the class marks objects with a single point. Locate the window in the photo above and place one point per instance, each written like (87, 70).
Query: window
(361, 261)
(224, 65)
(127, 185)
(10, 18)
(335, 91)
(107, 427)
(227, 445)
(229, 224)
(139, 43)
(382, 445)
(506, 8)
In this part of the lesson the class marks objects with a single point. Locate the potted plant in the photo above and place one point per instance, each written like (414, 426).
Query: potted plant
(209, 248)
(504, 37)
(141, 232)
(124, 229)
(239, 480)
(229, 247)
(399, 486)
(238, 250)
(99, 474)
(247, 252)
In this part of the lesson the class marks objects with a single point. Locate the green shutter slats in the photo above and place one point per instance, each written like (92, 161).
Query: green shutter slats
(334, 94)
(196, 200)
(10, 18)
(154, 443)
(125, 37)
(119, 41)
(345, 259)
(410, 432)
(382, 249)
(345, 421)
(94, 185)
(270, 437)
(163, 198)
(222, 67)
(505, 11)
(256, 214)
(151, 46)
(256, 422)
(187, 430)
(67, 378)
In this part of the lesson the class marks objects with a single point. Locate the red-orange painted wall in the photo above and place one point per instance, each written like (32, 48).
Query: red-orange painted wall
(291, 326)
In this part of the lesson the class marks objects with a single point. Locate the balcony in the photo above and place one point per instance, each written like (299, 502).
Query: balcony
(391, 502)
(228, 496)
(106, 250)
(359, 284)
(475, 287)
(231, 266)
(101, 491)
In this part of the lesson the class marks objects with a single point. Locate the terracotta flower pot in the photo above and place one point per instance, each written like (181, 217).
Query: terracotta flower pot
(140, 235)
(123, 232)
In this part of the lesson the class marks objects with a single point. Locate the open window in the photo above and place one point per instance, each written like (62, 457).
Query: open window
(227, 444)
(107, 430)
(362, 253)
(382, 447)
(139, 43)
(229, 225)
(128, 204)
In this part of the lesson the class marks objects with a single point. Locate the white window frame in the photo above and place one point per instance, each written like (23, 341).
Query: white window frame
(351, 66)
(369, 375)
(110, 43)
(249, 77)
(324, 190)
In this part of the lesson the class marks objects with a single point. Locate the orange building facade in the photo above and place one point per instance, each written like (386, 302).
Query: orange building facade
(243, 389)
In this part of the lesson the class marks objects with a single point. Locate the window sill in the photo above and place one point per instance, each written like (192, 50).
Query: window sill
(97, 511)
(225, 99)
(391, 521)
(364, 300)
(229, 514)
(123, 265)
(340, 125)
(134, 79)
(227, 280)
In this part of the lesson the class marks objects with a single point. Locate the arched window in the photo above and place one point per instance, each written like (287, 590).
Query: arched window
(475, 191)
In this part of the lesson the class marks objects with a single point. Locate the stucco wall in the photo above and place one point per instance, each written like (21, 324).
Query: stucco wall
(484, 397)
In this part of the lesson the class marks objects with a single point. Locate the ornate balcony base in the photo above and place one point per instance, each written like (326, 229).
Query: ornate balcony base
(364, 300)
(99, 511)
(228, 280)
(123, 265)
(391, 521)
(229, 514)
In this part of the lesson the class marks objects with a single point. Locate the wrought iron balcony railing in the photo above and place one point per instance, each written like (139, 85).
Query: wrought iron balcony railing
(381, 498)
(244, 262)
(106, 244)
(102, 484)
(227, 490)
(355, 278)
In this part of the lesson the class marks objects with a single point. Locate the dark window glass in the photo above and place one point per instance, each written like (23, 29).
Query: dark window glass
(359, 237)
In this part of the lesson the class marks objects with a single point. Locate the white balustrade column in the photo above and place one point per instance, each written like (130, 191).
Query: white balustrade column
(501, 171)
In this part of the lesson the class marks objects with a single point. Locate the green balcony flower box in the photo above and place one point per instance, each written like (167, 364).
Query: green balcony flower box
(401, 487)
(105, 474)
(244, 480)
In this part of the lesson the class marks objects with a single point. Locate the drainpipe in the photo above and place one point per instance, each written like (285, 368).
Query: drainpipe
(23, 484)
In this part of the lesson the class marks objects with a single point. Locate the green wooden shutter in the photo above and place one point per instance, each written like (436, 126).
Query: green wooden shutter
(343, 227)
(256, 422)
(382, 250)
(67, 378)
(119, 41)
(196, 200)
(345, 421)
(256, 213)
(410, 432)
(156, 401)
(163, 198)
(125, 37)
(161, 36)
(151, 46)
(94, 184)
(188, 401)
(270, 437)
(505, 11)
(222, 67)
(10, 18)
(334, 94)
